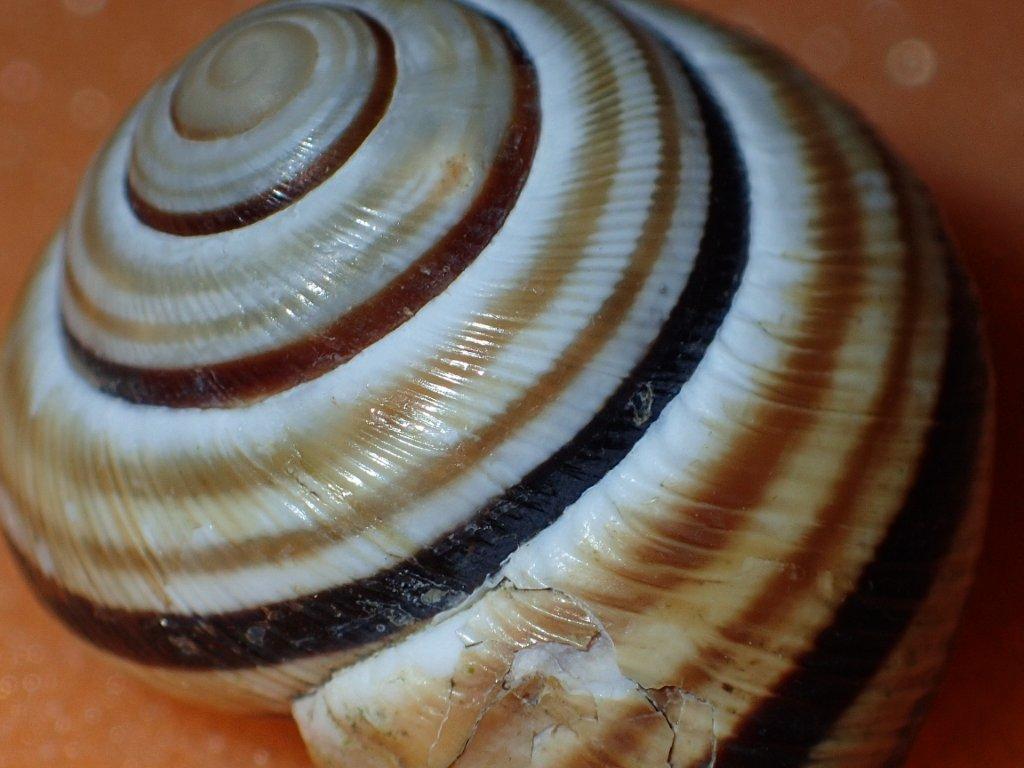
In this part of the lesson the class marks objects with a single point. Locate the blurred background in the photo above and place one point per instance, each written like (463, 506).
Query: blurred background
(943, 80)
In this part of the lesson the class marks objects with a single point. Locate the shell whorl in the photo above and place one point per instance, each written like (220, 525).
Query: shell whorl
(409, 338)
(382, 193)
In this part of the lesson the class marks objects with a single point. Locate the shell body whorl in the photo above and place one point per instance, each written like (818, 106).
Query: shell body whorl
(572, 379)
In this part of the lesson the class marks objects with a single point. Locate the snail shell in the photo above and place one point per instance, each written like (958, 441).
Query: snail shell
(554, 382)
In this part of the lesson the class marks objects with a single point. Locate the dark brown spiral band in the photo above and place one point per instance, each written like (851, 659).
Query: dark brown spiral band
(870, 622)
(381, 606)
(292, 187)
(246, 379)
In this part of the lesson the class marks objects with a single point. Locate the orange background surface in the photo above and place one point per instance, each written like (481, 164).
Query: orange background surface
(942, 79)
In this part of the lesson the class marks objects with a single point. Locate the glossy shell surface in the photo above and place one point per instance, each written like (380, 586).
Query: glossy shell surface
(567, 381)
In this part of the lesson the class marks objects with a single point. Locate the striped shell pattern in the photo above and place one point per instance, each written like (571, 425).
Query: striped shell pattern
(505, 382)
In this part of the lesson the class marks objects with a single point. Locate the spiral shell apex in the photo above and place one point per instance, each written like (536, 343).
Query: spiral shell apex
(519, 382)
